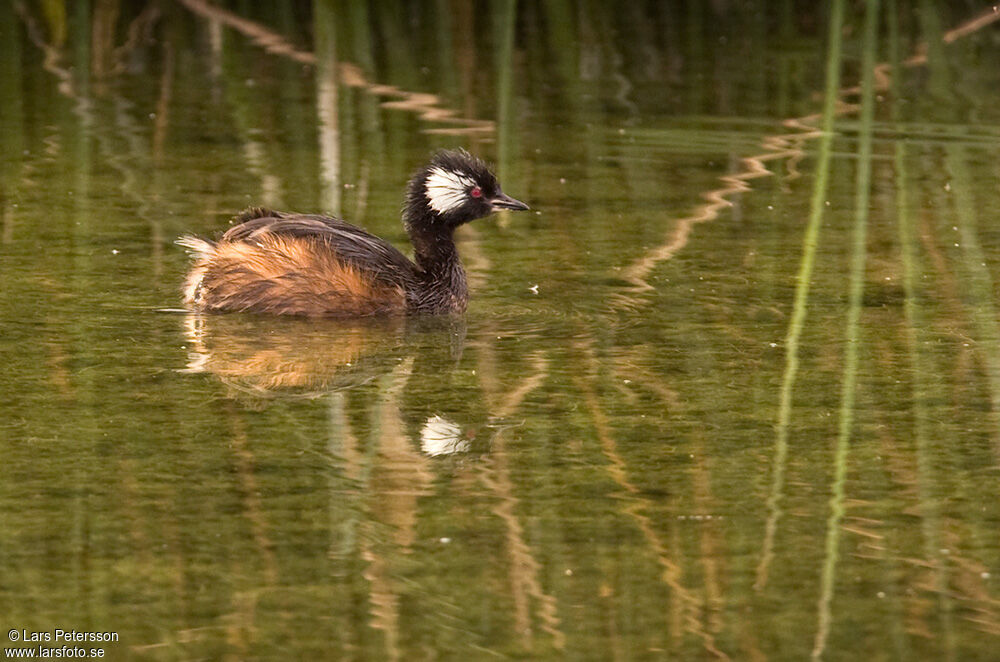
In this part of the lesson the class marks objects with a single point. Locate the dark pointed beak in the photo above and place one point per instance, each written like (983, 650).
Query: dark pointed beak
(503, 201)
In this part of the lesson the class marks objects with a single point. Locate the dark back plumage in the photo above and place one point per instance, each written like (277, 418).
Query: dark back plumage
(357, 246)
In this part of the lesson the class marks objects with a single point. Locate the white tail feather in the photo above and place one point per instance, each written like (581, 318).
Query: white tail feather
(200, 247)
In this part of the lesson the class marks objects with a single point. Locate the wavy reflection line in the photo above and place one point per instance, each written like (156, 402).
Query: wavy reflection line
(346, 459)
(784, 146)
(426, 105)
(716, 200)
(139, 31)
(269, 40)
(252, 504)
(400, 479)
(635, 504)
(987, 17)
(162, 121)
(50, 61)
(525, 568)
(126, 129)
(709, 542)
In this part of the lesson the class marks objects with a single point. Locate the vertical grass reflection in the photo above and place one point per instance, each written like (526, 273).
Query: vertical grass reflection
(916, 333)
(12, 117)
(325, 21)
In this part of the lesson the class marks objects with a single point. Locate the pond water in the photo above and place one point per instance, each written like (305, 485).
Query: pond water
(731, 390)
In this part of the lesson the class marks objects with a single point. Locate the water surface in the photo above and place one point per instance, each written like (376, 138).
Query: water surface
(697, 409)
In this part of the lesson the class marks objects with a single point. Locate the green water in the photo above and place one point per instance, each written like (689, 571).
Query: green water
(667, 428)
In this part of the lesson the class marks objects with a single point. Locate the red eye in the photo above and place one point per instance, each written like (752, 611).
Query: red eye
(476, 192)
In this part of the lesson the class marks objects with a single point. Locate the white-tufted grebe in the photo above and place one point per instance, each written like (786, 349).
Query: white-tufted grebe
(318, 266)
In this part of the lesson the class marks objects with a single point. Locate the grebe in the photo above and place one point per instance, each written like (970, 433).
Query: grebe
(318, 266)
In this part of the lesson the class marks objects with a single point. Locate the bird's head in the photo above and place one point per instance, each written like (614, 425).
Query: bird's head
(454, 188)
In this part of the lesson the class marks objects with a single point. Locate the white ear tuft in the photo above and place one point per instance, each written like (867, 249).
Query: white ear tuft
(446, 189)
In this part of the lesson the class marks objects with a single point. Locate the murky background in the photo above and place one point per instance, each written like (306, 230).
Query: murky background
(730, 390)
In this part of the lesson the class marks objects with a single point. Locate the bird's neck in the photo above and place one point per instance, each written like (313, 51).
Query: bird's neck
(437, 256)
(444, 283)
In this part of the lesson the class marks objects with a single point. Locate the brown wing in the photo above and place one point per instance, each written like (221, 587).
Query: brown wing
(292, 275)
(353, 245)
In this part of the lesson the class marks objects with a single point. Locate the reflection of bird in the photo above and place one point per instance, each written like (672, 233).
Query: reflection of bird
(297, 264)
(293, 357)
(440, 436)
(297, 357)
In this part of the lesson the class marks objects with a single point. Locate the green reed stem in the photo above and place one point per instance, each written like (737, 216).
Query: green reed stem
(852, 334)
(802, 282)
(506, 14)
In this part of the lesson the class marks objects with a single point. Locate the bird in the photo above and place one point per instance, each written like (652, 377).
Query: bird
(321, 266)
